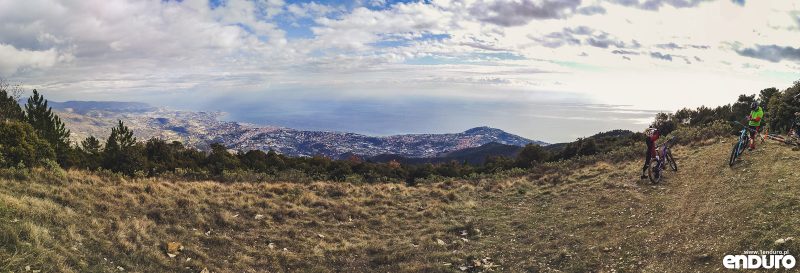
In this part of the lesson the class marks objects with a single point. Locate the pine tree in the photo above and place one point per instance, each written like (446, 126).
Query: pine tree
(121, 153)
(91, 145)
(48, 125)
(121, 138)
(90, 153)
(531, 155)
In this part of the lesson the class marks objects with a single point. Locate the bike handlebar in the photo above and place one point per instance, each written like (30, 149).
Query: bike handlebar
(745, 126)
(668, 142)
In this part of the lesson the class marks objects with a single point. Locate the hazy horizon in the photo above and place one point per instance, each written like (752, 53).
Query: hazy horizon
(557, 120)
(384, 67)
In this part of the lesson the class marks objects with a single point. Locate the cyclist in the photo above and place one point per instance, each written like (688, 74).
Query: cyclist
(652, 135)
(756, 113)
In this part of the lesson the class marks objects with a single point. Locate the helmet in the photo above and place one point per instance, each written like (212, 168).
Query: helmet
(754, 105)
(650, 131)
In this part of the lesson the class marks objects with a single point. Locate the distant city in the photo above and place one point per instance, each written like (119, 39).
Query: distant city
(199, 129)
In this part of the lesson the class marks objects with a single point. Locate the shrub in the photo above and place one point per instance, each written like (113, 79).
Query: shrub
(54, 169)
(19, 143)
(16, 173)
(691, 134)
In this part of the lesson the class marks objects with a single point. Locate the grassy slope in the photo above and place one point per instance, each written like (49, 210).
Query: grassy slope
(608, 220)
(600, 218)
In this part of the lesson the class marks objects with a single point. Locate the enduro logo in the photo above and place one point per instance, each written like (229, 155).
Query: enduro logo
(760, 259)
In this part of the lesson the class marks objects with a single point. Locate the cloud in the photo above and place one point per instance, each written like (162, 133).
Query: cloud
(583, 35)
(591, 10)
(116, 48)
(772, 53)
(311, 10)
(673, 46)
(624, 52)
(520, 12)
(658, 55)
(20, 59)
(657, 4)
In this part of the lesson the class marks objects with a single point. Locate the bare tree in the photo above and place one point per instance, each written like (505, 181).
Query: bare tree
(13, 90)
(9, 101)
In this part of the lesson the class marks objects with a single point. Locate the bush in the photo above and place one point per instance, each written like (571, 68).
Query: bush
(15, 173)
(53, 168)
(691, 134)
(19, 143)
(242, 176)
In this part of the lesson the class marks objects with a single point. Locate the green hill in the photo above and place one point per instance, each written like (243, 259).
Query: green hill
(599, 217)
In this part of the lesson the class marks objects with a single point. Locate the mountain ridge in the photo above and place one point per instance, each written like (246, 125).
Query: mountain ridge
(199, 129)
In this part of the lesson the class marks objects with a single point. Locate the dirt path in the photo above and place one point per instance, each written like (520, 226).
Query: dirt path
(610, 221)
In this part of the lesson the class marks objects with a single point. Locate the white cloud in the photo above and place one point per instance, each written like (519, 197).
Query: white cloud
(439, 47)
(14, 60)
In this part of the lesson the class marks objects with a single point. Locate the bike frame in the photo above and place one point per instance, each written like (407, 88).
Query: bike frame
(664, 147)
(744, 140)
(661, 157)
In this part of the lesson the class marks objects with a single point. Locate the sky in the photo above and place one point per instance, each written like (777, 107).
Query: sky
(545, 69)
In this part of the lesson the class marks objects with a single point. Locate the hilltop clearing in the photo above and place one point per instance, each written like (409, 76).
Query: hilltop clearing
(597, 218)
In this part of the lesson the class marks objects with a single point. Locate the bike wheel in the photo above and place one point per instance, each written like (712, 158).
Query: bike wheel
(734, 154)
(654, 172)
(671, 160)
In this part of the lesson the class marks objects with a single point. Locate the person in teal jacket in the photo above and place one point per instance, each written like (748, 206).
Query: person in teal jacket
(756, 114)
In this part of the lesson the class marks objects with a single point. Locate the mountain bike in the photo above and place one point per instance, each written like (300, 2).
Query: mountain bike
(744, 141)
(662, 159)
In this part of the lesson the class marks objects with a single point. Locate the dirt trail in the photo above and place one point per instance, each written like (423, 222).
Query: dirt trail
(609, 220)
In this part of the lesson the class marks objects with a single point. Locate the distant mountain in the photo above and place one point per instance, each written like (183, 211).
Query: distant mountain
(474, 155)
(199, 129)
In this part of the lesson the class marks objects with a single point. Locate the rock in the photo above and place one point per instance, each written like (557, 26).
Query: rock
(173, 249)
(782, 241)
(271, 246)
(463, 233)
(463, 268)
(120, 268)
(205, 270)
(320, 235)
(258, 217)
(440, 242)
(705, 257)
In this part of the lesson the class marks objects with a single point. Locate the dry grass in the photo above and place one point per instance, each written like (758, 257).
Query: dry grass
(86, 223)
(602, 218)
(597, 218)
